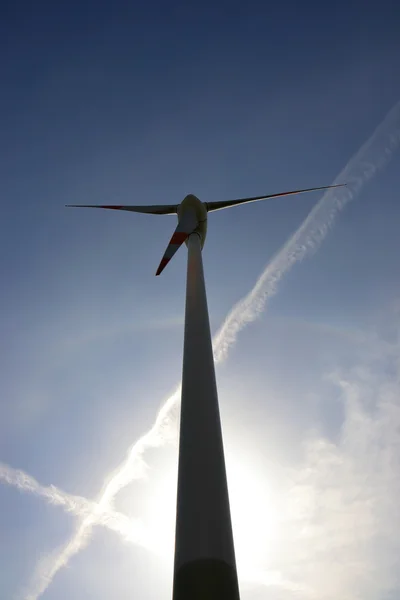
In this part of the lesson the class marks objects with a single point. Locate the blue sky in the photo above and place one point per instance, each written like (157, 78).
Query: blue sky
(106, 103)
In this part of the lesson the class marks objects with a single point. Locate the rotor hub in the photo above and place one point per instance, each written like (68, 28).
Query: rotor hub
(193, 204)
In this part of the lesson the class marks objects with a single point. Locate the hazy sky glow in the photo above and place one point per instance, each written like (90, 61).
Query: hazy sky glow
(144, 105)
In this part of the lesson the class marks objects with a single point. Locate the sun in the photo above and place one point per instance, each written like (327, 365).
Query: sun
(254, 513)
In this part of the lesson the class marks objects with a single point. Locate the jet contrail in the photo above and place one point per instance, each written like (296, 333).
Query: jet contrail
(131, 530)
(371, 157)
(76, 505)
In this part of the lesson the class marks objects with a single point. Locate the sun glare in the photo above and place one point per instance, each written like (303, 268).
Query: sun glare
(253, 507)
(159, 512)
(254, 515)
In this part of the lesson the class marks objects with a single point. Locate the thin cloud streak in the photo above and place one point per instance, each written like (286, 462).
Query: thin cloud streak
(76, 505)
(132, 468)
(373, 155)
(339, 513)
(370, 159)
(131, 530)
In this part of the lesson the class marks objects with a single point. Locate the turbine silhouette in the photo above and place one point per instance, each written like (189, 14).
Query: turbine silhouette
(205, 565)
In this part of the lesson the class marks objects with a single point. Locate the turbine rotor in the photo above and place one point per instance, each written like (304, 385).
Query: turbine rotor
(192, 215)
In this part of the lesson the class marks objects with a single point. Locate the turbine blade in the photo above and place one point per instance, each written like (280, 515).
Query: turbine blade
(228, 203)
(187, 225)
(155, 209)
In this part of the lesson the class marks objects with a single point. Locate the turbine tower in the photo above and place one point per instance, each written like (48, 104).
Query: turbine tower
(205, 566)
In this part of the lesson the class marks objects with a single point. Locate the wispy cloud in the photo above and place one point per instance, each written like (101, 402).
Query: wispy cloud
(343, 513)
(371, 157)
(76, 505)
(130, 529)
(338, 516)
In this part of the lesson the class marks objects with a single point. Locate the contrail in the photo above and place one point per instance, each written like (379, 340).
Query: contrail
(371, 158)
(77, 505)
(131, 530)
(373, 155)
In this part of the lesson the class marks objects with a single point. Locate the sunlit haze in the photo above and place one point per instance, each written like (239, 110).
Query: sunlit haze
(143, 104)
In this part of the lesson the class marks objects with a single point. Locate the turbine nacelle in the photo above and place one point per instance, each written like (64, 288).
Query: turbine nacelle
(192, 215)
(191, 204)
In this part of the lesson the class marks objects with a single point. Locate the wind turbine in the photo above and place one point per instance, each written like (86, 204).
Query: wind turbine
(205, 565)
